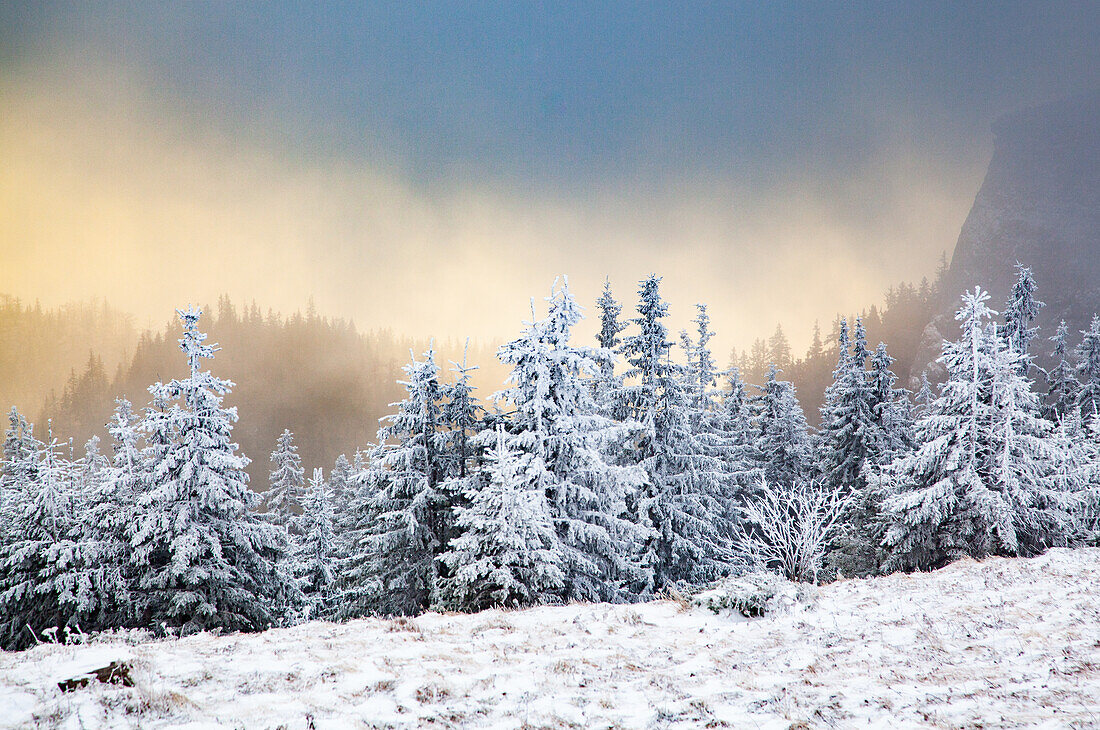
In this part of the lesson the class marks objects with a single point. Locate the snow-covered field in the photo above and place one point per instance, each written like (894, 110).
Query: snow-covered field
(1000, 643)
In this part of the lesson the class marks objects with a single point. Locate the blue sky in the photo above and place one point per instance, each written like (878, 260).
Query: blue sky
(544, 90)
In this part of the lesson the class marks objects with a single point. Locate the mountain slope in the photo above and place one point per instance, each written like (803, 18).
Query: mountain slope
(1005, 643)
(1039, 205)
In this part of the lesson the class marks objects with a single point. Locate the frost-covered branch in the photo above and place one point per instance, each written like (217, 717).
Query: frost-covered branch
(788, 528)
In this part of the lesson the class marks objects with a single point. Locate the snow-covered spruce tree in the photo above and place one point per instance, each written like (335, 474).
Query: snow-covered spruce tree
(508, 553)
(17, 469)
(461, 417)
(403, 517)
(1078, 474)
(981, 481)
(682, 503)
(720, 432)
(565, 443)
(90, 568)
(1088, 371)
(1087, 475)
(864, 423)
(607, 385)
(737, 416)
(737, 407)
(43, 517)
(203, 558)
(1027, 467)
(342, 488)
(700, 374)
(340, 480)
(782, 440)
(848, 436)
(287, 482)
(461, 420)
(922, 401)
(92, 468)
(1021, 309)
(315, 559)
(892, 409)
(113, 510)
(350, 510)
(858, 547)
(1062, 385)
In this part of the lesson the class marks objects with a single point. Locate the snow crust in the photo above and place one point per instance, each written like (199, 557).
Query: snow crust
(997, 643)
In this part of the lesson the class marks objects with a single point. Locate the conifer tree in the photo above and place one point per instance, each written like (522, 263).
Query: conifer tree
(648, 354)
(287, 482)
(40, 516)
(607, 385)
(779, 349)
(116, 505)
(556, 422)
(92, 567)
(847, 435)
(858, 545)
(92, 467)
(922, 401)
(509, 552)
(1020, 311)
(461, 417)
(719, 423)
(854, 436)
(890, 405)
(55, 573)
(701, 374)
(683, 503)
(782, 442)
(203, 558)
(403, 517)
(981, 481)
(1083, 473)
(340, 480)
(126, 463)
(342, 488)
(315, 557)
(18, 469)
(1088, 371)
(1062, 385)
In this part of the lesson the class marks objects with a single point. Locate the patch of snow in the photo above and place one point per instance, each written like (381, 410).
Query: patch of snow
(999, 643)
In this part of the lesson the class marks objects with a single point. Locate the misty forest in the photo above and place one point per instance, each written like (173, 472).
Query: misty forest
(616, 470)
(549, 366)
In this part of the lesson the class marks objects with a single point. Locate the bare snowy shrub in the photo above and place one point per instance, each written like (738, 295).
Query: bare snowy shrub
(788, 528)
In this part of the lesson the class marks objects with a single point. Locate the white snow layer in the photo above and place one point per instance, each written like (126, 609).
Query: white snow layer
(997, 643)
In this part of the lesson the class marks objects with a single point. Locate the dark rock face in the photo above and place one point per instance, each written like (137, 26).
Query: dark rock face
(1040, 205)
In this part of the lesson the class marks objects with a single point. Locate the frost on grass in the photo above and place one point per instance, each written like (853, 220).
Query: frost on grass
(996, 643)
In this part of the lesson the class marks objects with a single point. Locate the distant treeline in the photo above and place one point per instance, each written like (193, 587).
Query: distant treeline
(319, 376)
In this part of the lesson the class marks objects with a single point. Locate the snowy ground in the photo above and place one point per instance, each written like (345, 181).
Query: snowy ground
(1000, 643)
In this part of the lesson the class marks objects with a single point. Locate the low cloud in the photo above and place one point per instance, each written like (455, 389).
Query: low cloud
(110, 190)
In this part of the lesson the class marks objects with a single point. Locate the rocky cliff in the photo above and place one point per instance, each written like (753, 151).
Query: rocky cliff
(1040, 205)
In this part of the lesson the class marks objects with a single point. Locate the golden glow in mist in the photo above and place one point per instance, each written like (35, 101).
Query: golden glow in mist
(113, 192)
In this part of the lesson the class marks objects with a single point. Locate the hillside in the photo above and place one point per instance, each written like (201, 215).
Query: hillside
(1000, 643)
